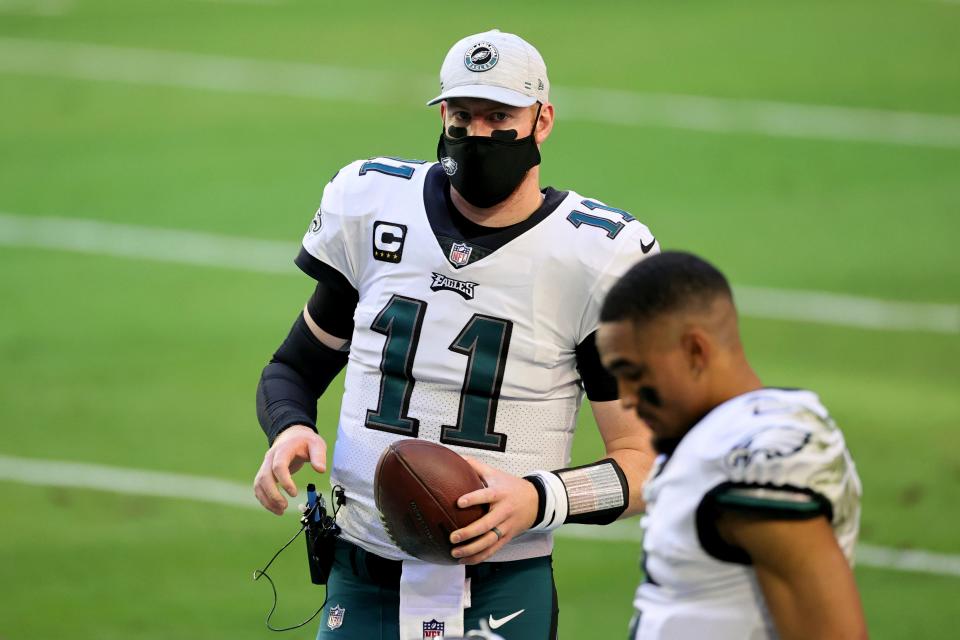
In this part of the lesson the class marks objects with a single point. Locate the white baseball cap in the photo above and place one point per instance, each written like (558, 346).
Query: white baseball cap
(498, 66)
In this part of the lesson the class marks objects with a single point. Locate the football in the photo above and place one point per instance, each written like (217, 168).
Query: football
(416, 488)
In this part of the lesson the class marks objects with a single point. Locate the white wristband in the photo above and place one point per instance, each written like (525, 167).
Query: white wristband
(556, 504)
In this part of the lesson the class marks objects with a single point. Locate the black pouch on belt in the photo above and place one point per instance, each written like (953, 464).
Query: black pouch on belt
(321, 534)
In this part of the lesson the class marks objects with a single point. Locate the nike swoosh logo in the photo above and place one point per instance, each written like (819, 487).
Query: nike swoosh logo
(646, 247)
(496, 623)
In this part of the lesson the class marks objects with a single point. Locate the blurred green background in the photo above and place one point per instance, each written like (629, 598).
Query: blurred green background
(228, 117)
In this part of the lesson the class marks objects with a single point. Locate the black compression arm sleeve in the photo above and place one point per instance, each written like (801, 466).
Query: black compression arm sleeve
(297, 375)
(597, 381)
(334, 300)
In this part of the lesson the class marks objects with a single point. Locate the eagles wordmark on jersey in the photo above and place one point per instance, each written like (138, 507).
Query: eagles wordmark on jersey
(464, 335)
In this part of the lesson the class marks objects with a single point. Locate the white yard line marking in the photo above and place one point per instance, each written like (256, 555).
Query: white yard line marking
(139, 482)
(778, 119)
(37, 7)
(917, 560)
(149, 243)
(261, 2)
(77, 475)
(700, 113)
(196, 71)
(820, 307)
(266, 256)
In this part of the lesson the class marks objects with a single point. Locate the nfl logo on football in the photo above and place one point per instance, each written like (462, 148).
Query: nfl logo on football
(460, 253)
(335, 619)
(433, 629)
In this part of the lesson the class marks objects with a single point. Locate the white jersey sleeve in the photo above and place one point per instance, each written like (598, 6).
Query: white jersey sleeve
(337, 232)
(793, 464)
(633, 243)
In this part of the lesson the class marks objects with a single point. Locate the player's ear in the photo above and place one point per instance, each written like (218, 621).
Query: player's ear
(544, 125)
(443, 114)
(697, 350)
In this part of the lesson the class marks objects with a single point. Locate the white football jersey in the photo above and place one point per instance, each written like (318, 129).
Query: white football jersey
(769, 451)
(456, 343)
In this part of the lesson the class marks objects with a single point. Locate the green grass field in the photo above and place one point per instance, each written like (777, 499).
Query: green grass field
(145, 364)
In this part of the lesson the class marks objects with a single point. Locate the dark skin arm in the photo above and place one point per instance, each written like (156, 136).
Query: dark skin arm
(806, 582)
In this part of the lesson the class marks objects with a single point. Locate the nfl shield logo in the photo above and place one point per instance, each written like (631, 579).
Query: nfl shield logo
(433, 629)
(460, 253)
(335, 619)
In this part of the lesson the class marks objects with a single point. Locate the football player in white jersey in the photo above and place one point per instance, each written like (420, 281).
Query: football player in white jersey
(753, 504)
(463, 300)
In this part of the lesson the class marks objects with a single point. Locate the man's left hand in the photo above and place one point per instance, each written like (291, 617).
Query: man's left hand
(513, 507)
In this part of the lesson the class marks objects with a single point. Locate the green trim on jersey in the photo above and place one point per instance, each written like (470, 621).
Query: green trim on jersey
(738, 499)
(761, 500)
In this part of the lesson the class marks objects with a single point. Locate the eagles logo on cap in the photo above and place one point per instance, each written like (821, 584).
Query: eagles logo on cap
(496, 66)
(481, 57)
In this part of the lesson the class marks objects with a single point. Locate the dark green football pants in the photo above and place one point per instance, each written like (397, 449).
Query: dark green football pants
(363, 598)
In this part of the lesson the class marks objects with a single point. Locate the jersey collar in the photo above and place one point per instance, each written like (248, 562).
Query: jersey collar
(451, 227)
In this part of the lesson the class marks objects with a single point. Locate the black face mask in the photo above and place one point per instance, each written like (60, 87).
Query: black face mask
(485, 171)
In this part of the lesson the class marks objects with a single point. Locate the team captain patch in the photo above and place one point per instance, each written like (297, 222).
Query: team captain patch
(446, 283)
(388, 239)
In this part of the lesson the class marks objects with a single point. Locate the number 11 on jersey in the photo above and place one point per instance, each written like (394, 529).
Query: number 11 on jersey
(484, 340)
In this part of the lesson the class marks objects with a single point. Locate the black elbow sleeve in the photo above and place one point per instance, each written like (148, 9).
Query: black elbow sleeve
(597, 381)
(297, 375)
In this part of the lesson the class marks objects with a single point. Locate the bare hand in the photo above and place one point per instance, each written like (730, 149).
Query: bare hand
(291, 450)
(513, 507)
